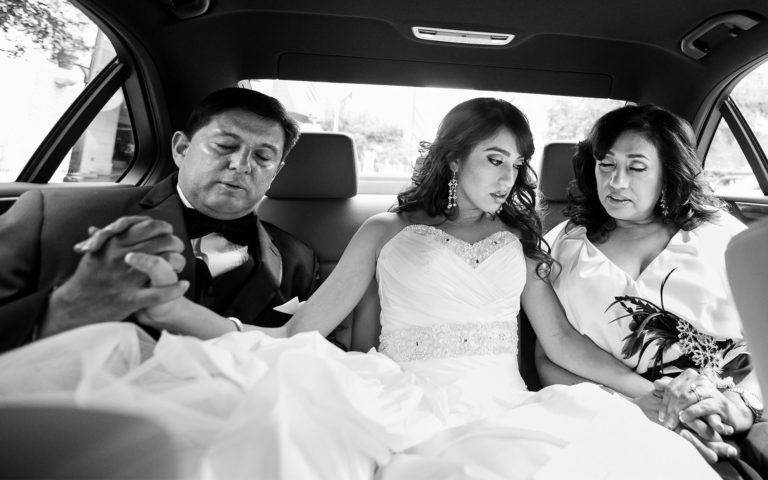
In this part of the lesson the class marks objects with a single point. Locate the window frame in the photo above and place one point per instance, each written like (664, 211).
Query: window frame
(130, 71)
(73, 123)
(747, 141)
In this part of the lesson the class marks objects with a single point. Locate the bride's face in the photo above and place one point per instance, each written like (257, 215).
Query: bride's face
(488, 173)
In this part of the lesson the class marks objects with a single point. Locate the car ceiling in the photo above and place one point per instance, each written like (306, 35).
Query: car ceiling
(626, 50)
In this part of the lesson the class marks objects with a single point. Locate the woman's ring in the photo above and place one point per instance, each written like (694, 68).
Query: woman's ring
(695, 392)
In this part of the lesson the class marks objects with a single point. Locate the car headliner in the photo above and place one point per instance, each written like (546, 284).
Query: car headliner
(626, 50)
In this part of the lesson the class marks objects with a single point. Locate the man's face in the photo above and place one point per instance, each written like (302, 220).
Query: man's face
(228, 164)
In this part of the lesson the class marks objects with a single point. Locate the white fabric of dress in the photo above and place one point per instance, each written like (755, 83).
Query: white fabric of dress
(697, 291)
(442, 400)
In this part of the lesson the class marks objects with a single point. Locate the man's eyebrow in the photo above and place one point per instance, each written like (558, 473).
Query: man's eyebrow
(226, 133)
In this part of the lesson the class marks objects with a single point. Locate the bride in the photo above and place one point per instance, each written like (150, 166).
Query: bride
(441, 398)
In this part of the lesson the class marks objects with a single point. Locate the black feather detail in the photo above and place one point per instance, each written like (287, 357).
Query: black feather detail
(655, 325)
(651, 324)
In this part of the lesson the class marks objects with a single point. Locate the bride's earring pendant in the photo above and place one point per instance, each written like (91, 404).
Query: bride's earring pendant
(452, 184)
(501, 207)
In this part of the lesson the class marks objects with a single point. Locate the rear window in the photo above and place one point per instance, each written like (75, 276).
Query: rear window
(388, 122)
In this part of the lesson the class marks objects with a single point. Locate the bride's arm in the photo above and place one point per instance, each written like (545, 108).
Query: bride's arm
(342, 290)
(568, 348)
(551, 373)
(180, 316)
(323, 311)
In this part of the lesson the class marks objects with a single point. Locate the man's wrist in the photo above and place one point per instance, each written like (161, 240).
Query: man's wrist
(56, 316)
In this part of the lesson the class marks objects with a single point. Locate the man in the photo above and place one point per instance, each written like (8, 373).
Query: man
(201, 220)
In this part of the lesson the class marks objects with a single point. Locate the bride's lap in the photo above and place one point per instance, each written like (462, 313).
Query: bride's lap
(301, 408)
(561, 432)
(239, 404)
(55, 366)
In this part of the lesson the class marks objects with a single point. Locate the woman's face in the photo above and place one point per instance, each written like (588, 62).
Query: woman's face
(629, 179)
(488, 173)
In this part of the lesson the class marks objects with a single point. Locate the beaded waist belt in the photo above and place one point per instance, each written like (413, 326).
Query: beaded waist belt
(449, 340)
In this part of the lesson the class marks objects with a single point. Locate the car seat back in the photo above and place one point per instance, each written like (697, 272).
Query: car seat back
(747, 269)
(555, 175)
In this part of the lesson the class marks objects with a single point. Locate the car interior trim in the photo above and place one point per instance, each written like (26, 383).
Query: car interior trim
(432, 34)
(294, 66)
(747, 141)
(702, 39)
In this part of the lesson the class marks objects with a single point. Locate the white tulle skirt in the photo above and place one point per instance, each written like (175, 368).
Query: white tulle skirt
(249, 406)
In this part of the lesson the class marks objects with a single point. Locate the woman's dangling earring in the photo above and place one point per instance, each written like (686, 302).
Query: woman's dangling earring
(452, 184)
(663, 205)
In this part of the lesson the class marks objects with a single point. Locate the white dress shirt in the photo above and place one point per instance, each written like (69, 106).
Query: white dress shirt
(218, 253)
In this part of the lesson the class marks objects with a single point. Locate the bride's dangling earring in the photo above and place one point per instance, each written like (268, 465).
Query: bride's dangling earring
(501, 207)
(452, 184)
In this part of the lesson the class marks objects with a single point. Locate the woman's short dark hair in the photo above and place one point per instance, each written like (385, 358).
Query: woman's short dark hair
(466, 125)
(243, 99)
(688, 198)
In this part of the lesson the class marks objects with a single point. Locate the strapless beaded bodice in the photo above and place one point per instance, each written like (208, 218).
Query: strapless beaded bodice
(442, 297)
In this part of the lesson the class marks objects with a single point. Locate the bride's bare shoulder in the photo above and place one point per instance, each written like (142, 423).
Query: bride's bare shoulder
(387, 221)
(380, 228)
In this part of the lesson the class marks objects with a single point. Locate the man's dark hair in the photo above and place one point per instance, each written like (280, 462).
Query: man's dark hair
(243, 99)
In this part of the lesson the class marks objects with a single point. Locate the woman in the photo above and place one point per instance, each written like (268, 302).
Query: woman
(642, 273)
(454, 261)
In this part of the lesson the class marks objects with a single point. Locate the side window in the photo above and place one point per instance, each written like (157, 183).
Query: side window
(726, 165)
(104, 150)
(46, 65)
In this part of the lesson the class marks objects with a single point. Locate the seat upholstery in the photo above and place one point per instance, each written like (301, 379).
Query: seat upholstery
(554, 177)
(314, 197)
(746, 266)
(321, 165)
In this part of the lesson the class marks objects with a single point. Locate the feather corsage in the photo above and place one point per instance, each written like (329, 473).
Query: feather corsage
(652, 324)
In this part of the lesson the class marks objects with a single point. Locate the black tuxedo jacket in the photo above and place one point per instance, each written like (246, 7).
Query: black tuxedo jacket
(38, 232)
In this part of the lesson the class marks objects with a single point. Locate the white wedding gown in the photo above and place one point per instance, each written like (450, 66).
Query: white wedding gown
(443, 399)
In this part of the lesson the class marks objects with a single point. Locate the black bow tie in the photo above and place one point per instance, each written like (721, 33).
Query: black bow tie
(239, 230)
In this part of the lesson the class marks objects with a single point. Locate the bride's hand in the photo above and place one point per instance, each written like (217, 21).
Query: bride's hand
(159, 272)
(169, 315)
(138, 234)
(650, 403)
(181, 315)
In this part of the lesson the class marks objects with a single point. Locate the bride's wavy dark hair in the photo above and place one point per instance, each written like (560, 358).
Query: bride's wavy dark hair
(466, 125)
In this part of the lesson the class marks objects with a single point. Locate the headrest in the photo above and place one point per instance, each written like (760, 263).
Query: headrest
(556, 170)
(321, 165)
